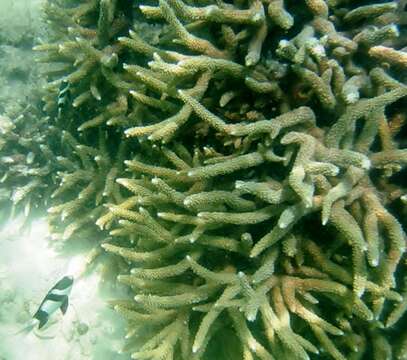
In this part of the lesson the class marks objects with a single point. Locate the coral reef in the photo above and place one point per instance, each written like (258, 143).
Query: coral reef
(23, 128)
(23, 170)
(244, 162)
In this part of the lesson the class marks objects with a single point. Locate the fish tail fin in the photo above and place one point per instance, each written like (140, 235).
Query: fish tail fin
(27, 328)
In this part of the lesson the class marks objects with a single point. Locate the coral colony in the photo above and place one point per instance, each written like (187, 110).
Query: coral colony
(240, 163)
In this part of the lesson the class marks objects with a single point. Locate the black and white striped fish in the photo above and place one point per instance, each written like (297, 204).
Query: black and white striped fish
(64, 97)
(56, 298)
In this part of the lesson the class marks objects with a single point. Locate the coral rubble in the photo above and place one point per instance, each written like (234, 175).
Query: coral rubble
(246, 160)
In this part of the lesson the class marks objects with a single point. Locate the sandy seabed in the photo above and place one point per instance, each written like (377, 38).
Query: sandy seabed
(29, 267)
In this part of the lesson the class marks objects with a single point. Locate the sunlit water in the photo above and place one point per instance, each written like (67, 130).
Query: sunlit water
(29, 268)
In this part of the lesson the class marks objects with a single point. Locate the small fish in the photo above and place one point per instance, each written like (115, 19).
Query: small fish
(56, 298)
(64, 97)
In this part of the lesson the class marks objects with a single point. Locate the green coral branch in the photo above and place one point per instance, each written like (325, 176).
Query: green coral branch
(242, 160)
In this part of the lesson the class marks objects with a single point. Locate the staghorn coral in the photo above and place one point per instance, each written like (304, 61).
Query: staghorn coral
(24, 162)
(93, 170)
(261, 194)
